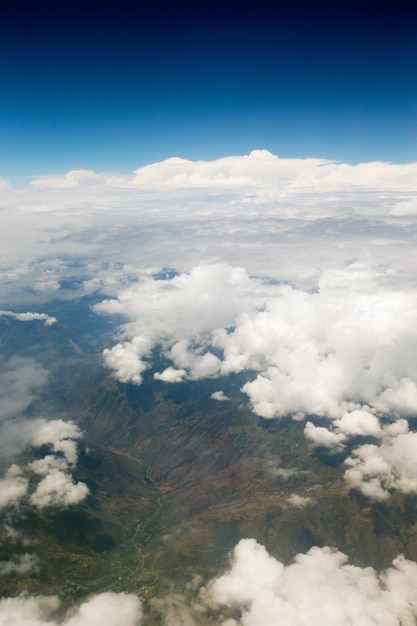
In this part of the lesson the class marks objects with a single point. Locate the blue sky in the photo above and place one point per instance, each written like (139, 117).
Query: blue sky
(113, 86)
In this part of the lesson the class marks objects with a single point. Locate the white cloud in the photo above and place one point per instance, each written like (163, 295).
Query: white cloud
(358, 423)
(219, 396)
(260, 173)
(12, 487)
(320, 587)
(57, 489)
(73, 178)
(329, 329)
(171, 375)
(321, 436)
(111, 609)
(378, 470)
(125, 359)
(344, 352)
(55, 432)
(299, 502)
(346, 348)
(29, 317)
(21, 379)
(20, 565)
(283, 218)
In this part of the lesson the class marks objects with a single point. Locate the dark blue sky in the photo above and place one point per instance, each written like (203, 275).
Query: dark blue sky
(112, 86)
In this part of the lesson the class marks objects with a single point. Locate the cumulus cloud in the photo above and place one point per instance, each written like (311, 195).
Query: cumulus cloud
(343, 351)
(126, 358)
(56, 432)
(12, 487)
(378, 470)
(56, 487)
(171, 375)
(220, 396)
(108, 608)
(299, 502)
(325, 438)
(358, 422)
(175, 311)
(319, 587)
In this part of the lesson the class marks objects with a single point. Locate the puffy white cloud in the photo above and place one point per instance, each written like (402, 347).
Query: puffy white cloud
(378, 470)
(175, 311)
(12, 487)
(319, 587)
(299, 502)
(220, 396)
(108, 608)
(57, 489)
(125, 358)
(358, 423)
(321, 436)
(171, 375)
(55, 432)
(344, 351)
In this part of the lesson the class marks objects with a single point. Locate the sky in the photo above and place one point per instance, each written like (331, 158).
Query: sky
(113, 86)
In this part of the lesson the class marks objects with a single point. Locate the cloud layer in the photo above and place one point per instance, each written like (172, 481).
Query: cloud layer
(282, 218)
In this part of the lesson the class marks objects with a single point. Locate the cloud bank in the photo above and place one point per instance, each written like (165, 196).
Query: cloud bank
(287, 219)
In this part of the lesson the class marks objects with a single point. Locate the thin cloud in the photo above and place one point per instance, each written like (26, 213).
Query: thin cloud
(29, 317)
